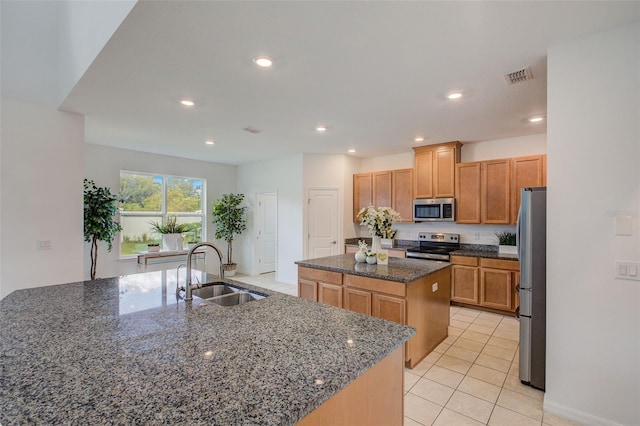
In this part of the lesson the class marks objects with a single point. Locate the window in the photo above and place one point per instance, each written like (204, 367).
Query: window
(155, 198)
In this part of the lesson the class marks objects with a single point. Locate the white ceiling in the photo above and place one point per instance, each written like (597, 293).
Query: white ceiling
(375, 73)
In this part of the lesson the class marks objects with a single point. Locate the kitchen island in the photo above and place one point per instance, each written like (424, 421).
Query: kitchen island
(415, 292)
(125, 350)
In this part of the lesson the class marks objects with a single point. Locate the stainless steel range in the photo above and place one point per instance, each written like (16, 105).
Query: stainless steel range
(435, 246)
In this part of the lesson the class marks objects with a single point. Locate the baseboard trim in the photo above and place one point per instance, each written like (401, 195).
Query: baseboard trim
(576, 415)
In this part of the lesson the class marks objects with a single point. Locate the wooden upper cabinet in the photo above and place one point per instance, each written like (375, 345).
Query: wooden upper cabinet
(468, 192)
(423, 173)
(528, 171)
(382, 189)
(495, 191)
(402, 193)
(362, 192)
(435, 170)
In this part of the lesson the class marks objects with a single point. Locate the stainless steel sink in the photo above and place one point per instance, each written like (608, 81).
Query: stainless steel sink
(215, 289)
(236, 298)
(224, 294)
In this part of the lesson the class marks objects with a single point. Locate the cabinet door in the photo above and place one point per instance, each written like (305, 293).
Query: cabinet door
(496, 289)
(496, 178)
(525, 172)
(464, 284)
(362, 193)
(308, 290)
(381, 189)
(402, 193)
(330, 294)
(468, 192)
(423, 174)
(444, 170)
(389, 308)
(357, 300)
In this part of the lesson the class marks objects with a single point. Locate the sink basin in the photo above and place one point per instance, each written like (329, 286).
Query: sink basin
(237, 298)
(213, 290)
(224, 294)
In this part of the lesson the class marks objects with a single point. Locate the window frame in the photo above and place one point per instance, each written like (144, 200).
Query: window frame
(163, 213)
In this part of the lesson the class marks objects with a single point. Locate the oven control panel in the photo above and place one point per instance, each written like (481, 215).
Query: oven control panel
(439, 237)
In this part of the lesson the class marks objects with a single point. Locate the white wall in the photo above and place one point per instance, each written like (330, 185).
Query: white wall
(84, 27)
(41, 193)
(593, 320)
(333, 171)
(103, 164)
(283, 176)
(476, 151)
(504, 148)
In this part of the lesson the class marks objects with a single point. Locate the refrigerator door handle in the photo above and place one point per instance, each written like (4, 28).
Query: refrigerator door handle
(518, 233)
(518, 312)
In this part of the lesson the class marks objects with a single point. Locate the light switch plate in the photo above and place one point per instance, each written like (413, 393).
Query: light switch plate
(627, 270)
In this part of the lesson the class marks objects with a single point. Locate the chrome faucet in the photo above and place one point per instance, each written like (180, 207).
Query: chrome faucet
(188, 286)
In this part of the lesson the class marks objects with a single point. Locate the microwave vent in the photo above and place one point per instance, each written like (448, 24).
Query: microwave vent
(519, 76)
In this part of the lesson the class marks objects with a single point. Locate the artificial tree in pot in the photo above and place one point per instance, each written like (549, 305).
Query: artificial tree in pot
(99, 210)
(230, 220)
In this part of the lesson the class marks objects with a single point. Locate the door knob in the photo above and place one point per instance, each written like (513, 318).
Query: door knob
(334, 242)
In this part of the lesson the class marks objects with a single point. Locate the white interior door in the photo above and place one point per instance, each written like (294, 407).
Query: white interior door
(323, 223)
(267, 232)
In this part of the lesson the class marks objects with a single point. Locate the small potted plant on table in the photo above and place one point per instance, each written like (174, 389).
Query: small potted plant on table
(171, 233)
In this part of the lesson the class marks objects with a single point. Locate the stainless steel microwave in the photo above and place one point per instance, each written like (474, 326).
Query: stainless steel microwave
(434, 209)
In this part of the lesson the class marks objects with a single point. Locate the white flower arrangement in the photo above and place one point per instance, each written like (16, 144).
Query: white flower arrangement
(380, 221)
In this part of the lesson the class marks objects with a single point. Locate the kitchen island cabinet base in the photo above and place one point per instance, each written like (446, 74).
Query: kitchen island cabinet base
(376, 397)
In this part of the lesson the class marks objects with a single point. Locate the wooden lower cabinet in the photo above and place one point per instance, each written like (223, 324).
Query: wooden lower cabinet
(330, 294)
(422, 304)
(484, 282)
(389, 307)
(357, 300)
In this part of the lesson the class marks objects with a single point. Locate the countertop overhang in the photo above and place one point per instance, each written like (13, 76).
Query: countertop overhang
(69, 354)
(399, 269)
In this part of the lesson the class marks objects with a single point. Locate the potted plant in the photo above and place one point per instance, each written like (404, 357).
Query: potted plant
(229, 219)
(171, 233)
(99, 210)
(507, 242)
(153, 247)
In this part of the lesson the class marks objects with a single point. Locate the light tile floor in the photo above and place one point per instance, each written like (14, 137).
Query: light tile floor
(472, 378)
(469, 379)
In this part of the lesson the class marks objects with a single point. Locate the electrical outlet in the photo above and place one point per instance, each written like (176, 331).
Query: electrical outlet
(627, 270)
(44, 245)
(434, 287)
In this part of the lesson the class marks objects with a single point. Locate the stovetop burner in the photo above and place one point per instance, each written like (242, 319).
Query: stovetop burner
(435, 246)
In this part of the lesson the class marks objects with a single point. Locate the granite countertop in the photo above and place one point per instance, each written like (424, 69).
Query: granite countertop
(125, 351)
(484, 253)
(399, 269)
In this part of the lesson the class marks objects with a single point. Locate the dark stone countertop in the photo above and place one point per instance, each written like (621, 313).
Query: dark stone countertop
(484, 253)
(126, 351)
(399, 269)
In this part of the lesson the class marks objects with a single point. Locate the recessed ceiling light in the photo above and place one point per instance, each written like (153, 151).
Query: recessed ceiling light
(351, 151)
(455, 95)
(419, 139)
(187, 102)
(321, 129)
(209, 142)
(263, 61)
(536, 119)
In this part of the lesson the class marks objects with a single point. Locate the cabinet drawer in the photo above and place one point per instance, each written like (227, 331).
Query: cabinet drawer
(373, 284)
(320, 275)
(509, 265)
(464, 260)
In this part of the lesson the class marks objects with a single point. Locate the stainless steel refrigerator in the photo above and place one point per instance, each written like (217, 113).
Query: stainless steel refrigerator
(532, 253)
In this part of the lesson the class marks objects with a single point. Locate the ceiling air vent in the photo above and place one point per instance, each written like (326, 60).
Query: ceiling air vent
(252, 130)
(519, 76)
